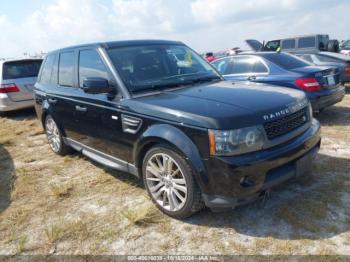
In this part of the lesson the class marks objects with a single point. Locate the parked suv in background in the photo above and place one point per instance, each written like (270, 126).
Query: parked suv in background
(297, 44)
(192, 138)
(17, 79)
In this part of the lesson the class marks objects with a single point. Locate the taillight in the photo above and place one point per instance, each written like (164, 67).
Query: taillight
(8, 88)
(308, 84)
(347, 70)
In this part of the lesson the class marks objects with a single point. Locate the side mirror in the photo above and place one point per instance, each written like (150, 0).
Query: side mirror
(96, 85)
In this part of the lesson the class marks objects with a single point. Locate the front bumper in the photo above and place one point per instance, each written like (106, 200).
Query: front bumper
(6, 104)
(327, 98)
(233, 181)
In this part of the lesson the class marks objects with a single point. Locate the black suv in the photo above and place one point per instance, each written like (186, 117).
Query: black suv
(159, 111)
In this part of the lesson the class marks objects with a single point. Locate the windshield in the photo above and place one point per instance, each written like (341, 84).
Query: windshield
(152, 67)
(286, 61)
(21, 69)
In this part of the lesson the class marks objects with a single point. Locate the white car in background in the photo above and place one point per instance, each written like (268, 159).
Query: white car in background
(345, 47)
(17, 79)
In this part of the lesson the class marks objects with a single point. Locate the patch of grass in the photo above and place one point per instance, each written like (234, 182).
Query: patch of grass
(107, 233)
(7, 141)
(61, 190)
(77, 230)
(98, 248)
(311, 211)
(54, 232)
(22, 242)
(56, 170)
(18, 217)
(37, 132)
(142, 215)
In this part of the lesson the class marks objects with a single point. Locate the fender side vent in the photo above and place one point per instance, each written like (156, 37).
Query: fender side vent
(131, 124)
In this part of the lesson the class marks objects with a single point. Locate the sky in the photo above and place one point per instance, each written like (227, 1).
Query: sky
(32, 26)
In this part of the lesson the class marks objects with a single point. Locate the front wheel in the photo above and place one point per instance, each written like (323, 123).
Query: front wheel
(54, 137)
(170, 183)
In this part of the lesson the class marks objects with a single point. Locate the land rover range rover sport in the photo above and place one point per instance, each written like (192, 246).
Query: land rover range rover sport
(157, 110)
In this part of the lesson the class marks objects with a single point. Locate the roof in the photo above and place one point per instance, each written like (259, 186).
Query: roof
(125, 43)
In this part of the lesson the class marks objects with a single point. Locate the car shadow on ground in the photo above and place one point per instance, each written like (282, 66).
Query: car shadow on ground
(7, 178)
(308, 208)
(334, 116)
(20, 115)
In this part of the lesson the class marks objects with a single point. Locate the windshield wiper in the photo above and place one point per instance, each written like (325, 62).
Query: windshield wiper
(203, 79)
(159, 85)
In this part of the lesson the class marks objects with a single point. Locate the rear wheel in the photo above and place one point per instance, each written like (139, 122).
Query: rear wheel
(54, 137)
(169, 181)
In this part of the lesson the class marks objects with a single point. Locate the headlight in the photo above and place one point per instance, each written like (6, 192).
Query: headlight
(235, 142)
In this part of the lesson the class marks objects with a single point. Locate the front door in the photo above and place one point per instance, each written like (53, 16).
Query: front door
(99, 115)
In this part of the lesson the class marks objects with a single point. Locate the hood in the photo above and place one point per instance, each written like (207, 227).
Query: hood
(222, 105)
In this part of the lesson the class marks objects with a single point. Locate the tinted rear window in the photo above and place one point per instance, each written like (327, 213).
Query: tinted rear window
(285, 61)
(21, 69)
(307, 42)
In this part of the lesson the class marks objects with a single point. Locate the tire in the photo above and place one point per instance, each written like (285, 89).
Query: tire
(333, 46)
(179, 199)
(55, 138)
(2, 114)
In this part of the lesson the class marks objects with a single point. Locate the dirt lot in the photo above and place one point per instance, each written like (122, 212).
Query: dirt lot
(70, 205)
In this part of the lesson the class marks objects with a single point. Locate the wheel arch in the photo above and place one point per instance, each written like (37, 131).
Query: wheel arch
(174, 137)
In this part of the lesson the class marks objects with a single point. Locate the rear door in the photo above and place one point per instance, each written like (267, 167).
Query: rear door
(23, 75)
(67, 93)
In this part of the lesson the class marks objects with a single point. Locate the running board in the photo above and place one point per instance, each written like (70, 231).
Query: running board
(102, 158)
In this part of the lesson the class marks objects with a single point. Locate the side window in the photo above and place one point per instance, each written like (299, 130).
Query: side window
(66, 69)
(305, 42)
(242, 65)
(259, 67)
(91, 65)
(273, 45)
(221, 65)
(54, 73)
(288, 44)
(47, 69)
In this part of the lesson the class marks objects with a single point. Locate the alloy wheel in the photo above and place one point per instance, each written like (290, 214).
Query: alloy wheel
(166, 182)
(53, 135)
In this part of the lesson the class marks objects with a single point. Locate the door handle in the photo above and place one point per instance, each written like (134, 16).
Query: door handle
(52, 100)
(251, 78)
(81, 108)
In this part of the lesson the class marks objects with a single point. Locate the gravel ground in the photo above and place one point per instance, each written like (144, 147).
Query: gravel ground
(70, 205)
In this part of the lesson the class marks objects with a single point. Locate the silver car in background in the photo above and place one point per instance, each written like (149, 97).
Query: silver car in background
(17, 79)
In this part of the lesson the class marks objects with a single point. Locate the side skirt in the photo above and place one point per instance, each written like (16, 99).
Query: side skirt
(102, 158)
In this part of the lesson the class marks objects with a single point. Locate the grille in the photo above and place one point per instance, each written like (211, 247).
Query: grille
(286, 124)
